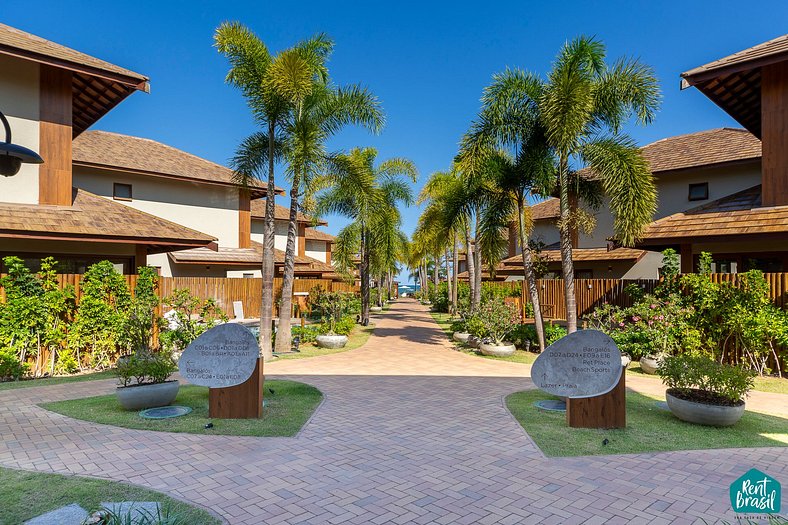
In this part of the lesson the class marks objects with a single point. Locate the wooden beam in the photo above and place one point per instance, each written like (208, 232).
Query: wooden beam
(243, 401)
(55, 135)
(774, 131)
(244, 220)
(687, 260)
(605, 411)
(301, 240)
(140, 256)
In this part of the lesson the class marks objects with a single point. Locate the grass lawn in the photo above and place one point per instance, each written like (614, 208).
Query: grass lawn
(775, 385)
(26, 495)
(59, 380)
(286, 411)
(358, 337)
(649, 429)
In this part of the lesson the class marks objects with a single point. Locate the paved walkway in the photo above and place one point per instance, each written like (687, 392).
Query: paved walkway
(410, 432)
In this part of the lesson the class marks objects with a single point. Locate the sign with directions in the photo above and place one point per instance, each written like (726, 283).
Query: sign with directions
(586, 363)
(223, 356)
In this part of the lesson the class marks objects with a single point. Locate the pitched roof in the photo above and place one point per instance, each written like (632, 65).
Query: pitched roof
(549, 209)
(775, 50)
(280, 213)
(103, 149)
(583, 255)
(701, 149)
(98, 86)
(737, 214)
(317, 235)
(246, 257)
(96, 219)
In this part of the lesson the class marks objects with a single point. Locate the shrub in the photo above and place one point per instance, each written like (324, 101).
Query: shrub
(343, 326)
(10, 366)
(552, 333)
(188, 318)
(458, 326)
(334, 307)
(475, 327)
(524, 335)
(145, 368)
(498, 319)
(142, 317)
(683, 373)
(307, 334)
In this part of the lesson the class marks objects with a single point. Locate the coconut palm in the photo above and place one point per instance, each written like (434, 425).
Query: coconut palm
(318, 111)
(582, 107)
(250, 71)
(365, 193)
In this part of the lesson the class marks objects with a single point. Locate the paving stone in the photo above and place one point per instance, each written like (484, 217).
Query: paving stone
(69, 515)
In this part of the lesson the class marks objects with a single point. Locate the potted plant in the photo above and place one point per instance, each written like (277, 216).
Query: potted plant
(499, 319)
(144, 380)
(476, 329)
(459, 331)
(336, 325)
(703, 391)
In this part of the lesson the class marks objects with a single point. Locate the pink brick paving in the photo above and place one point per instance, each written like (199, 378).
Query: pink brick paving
(410, 432)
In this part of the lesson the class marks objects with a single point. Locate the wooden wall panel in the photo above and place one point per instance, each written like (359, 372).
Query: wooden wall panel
(302, 240)
(244, 220)
(55, 179)
(774, 134)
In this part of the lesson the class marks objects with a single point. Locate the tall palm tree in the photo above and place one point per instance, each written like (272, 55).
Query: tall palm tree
(318, 110)
(582, 107)
(359, 190)
(250, 69)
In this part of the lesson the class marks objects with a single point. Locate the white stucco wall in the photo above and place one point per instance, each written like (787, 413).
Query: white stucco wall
(19, 102)
(280, 234)
(207, 208)
(316, 250)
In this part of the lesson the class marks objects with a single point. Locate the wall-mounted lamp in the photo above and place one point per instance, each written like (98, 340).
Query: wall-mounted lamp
(12, 156)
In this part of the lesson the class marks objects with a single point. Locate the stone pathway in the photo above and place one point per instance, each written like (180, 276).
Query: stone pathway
(410, 432)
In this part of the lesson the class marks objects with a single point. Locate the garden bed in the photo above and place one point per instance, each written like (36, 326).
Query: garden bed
(26, 495)
(286, 411)
(649, 429)
(358, 337)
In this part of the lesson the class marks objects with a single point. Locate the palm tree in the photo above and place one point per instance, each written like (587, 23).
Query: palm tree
(318, 111)
(364, 193)
(250, 71)
(582, 108)
(509, 135)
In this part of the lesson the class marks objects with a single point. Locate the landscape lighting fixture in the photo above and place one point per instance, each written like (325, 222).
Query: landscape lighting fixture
(12, 156)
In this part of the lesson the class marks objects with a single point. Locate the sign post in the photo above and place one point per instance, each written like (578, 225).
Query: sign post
(585, 367)
(226, 359)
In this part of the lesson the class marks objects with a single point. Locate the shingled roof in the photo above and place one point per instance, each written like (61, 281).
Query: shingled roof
(280, 213)
(103, 149)
(98, 86)
(737, 214)
(582, 255)
(97, 219)
(312, 234)
(549, 209)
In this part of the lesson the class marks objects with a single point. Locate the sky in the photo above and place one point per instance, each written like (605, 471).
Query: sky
(427, 62)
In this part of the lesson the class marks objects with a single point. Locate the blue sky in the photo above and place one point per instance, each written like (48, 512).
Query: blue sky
(427, 61)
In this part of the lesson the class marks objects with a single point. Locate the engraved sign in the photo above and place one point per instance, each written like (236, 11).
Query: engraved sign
(586, 363)
(223, 356)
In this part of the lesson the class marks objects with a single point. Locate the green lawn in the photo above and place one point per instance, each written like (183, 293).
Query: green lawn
(358, 337)
(26, 495)
(59, 380)
(287, 409)
(775, 385)
(649, 429)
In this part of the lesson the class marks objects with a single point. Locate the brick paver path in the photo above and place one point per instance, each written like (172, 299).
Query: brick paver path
(410, 432)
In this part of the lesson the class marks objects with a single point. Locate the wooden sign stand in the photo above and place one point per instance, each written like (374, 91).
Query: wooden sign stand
(244, 401)
(605, 411)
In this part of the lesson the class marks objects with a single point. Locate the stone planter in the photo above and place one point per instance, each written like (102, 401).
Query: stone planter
(649, 364)
(473, 341)
(331, 341)
(460, 337)
(138, 397)
(493, 349)
(702, 413)
(375, 309)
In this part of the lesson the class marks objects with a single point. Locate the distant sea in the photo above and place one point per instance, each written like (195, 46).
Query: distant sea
(408, 288)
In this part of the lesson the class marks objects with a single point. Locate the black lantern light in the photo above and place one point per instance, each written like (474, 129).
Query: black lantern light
(13, 155)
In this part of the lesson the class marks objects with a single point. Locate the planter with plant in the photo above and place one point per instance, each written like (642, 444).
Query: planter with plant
(703, 391)
(336, 323)
(459, 331)
(499, 319)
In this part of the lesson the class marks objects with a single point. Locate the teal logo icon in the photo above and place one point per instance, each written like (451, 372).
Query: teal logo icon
(756, 493)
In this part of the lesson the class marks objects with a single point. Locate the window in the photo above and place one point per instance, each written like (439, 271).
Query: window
(121, 192)
(699, 191)
(584, 274)
(248, 276)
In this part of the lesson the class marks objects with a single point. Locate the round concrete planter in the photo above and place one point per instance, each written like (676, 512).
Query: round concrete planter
(138, 397)
(375, 309)
(504, 350)
(649, 364)
(331, 341)
(460, 337)
(703, 414)
(473, 341)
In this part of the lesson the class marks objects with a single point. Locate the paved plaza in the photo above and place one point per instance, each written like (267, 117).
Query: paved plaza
(410, 431)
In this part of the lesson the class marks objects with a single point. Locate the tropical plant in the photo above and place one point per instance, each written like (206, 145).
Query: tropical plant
(333, 307)
(188, 317)
(142, 318)
(498, 318)
(145, 368)
(700, 378)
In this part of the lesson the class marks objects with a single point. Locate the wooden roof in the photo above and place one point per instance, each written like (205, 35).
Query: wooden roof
(312, 234)
(739, 214)
(113, 151)
(549, 209)
(97, 86)
(583, 255)
(281, 213)
(247, 257)
(734, 82)
(97, 219)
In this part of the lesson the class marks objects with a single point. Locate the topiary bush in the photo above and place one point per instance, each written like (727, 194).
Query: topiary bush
(702, 379)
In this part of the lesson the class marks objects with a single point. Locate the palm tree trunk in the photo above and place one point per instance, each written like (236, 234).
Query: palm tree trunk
(284, 332)
(364, 273)
(455, 279)
(435, 271)
(448, 279)
(471, 268)
(477, 260)
(528, 274)
(267, 292)
(567, 266)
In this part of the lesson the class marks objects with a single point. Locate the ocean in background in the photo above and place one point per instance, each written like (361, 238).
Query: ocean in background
(408, 288)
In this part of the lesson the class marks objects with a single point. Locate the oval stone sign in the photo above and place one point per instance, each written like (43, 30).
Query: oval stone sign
(586, 363)
(223, 356)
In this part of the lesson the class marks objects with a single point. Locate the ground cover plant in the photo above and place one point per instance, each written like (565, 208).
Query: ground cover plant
(286, 411)
(26, 495)
(649, 429)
